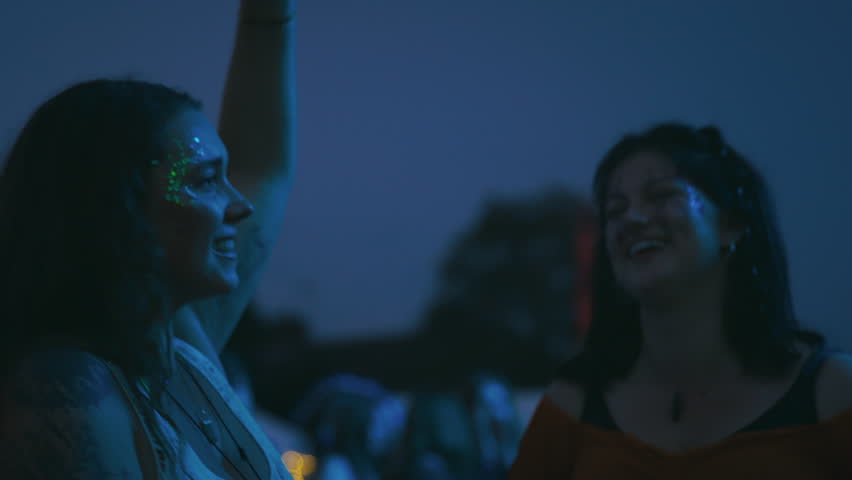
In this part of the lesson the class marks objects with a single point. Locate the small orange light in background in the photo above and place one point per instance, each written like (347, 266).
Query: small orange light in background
(299, 465)
(309, 464)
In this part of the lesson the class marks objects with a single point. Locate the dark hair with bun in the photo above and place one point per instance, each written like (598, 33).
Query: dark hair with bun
(759, 321)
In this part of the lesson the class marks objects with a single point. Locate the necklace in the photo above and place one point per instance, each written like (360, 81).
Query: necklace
(678, 404)
(208, 429)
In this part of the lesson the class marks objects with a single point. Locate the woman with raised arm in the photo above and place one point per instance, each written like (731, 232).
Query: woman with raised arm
(124, 219)
(694, 365)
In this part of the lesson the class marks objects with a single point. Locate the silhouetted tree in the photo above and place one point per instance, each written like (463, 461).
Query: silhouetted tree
(506, 302)
(506, 296)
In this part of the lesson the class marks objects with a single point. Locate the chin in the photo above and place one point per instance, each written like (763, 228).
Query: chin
(650, 287)
(228, 284)
(220, 285)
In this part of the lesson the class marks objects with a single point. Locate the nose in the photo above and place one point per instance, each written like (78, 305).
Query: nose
(238, 209)
(636, 215)
(634, 212)
(632, 220)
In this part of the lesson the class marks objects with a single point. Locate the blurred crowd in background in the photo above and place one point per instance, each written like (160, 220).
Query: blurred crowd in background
(443, 402)
(349, 427)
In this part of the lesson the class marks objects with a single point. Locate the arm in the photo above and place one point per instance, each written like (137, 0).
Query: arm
(63, 416)
(256, 126)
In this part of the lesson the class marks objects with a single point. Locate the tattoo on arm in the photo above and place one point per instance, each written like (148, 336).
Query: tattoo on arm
(51, 410)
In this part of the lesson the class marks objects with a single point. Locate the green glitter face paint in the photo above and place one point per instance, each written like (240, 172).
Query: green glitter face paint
(181, 157)
(177, 175)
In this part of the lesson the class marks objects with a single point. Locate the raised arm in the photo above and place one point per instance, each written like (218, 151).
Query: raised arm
(257, 127)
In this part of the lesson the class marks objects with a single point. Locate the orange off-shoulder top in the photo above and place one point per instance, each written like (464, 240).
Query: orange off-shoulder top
(558, 446)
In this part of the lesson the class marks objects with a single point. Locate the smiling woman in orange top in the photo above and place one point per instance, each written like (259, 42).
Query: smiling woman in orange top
(694, 365)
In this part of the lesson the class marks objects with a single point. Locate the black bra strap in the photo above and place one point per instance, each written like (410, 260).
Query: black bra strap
(798, 405)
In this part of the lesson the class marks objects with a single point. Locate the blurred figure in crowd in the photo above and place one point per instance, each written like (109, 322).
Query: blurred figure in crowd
(354, 422)
(497, 427)
(439, 441)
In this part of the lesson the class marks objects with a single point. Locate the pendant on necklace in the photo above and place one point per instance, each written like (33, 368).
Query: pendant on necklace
(208, 427)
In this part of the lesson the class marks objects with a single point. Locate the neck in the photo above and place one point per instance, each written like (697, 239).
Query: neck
(683, 346)
(159, 351)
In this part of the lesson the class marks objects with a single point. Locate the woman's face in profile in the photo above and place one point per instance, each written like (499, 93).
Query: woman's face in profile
(661, 231)
(195, 210)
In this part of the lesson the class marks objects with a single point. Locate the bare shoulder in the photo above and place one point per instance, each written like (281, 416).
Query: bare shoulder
(567, 396)
(834, 386)
(63, 416)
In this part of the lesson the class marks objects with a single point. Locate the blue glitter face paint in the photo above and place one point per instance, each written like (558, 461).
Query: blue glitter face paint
(697, 202)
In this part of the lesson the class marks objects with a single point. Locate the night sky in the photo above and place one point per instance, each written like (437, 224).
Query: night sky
(410, 114)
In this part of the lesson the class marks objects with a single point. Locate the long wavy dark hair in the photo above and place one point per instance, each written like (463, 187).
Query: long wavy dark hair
(759, 323)
(78, 254)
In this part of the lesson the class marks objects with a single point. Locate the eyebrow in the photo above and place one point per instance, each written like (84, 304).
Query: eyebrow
(649, 183)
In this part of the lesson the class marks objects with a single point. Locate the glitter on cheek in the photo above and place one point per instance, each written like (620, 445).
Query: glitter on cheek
(696, 203)
(176, 179)
(179, 163)
(196, 147)
(183, 154)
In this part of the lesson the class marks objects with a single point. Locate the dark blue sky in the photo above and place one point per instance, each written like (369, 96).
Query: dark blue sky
(411, 113)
